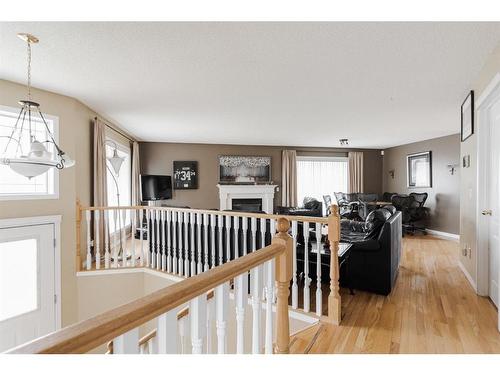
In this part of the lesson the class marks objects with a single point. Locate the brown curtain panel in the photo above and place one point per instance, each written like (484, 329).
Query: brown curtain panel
(355, 172)
(289, 178)
(136, 177)
(100, 181)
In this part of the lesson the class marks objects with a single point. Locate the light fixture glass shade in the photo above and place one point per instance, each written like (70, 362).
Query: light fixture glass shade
(27, 168)
(116, 161)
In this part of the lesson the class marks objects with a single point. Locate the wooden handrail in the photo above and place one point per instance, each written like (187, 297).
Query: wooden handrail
(310, 219)
(84, 336)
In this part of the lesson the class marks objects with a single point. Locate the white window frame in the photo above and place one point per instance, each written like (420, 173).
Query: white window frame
(343, 159)
(55, 133)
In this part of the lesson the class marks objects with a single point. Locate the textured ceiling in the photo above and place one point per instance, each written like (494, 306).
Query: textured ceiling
(298, 84)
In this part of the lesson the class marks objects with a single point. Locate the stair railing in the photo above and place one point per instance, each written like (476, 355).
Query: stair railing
(187, 242)
(122, 324)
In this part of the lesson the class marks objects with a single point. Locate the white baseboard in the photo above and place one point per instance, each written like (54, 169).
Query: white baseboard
(444, 235)
(468, 276)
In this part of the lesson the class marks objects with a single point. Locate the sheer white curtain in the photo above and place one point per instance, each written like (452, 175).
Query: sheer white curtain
(318, 176)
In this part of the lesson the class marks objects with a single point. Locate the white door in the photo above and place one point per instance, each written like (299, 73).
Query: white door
(494, 204)
(27, 284)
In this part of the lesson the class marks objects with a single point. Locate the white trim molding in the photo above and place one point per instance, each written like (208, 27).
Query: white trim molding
(444, 235)
(489, 96)
(468, 276)
(55, 220)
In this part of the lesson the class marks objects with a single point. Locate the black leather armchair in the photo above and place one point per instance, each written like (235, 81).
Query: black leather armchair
(374, 259)
(367, 204)
(310, 207)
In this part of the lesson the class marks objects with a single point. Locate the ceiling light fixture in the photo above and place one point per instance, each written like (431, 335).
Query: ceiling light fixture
(38, 160)
(344, 142)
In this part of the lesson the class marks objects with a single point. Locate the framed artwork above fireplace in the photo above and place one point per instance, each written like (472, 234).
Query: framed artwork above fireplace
(244, 169)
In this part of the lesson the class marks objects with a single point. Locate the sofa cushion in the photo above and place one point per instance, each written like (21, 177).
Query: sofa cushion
(310, 203)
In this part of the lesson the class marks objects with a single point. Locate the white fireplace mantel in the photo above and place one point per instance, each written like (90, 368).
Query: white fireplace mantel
(229, 192)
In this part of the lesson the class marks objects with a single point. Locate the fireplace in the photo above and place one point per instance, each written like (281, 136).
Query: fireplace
(247, 204)
(246, 197)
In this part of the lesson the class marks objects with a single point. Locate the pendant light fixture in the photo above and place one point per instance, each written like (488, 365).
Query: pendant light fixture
(38, 159)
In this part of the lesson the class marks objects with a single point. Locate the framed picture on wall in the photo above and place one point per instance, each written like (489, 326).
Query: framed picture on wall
(467, 115)
(185, 175)
(419, 170)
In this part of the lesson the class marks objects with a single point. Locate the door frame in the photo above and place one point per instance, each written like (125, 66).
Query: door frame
(490, 96)
(55, 220)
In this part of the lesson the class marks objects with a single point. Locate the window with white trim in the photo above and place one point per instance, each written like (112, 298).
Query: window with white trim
(13, 186)
(318, 176)
(122, 181)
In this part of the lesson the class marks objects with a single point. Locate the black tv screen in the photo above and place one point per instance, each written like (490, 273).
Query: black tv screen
(155, 187)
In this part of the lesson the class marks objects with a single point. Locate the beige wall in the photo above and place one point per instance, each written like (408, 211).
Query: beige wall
(157, 158)
(75, 138)
(468, 176)
(444, 195)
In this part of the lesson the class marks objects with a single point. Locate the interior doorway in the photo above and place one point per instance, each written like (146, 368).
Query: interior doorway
(29, 281)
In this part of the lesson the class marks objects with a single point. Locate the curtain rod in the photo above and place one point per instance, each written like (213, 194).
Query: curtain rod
(114, 129)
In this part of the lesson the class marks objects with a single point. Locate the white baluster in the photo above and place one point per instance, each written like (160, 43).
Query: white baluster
(182, 332)
(192, 248)
(116, 238)
(198, 317)
(273, 261)
(244, 229)
(236, 225)
(141, 219)
(220, 222)
(132, 237)
(128, 343)
(221, 307)
(169, 248)
(210, 315)
(253, 223)
(150, 238)
(295, 287)
(186, 244)
(228, 238)
(269, 307)
(154, 239)
(212, 238)
(262, 233)
(205, 242)
(319, 296)
(166, 332)
(181, 249)
(124, 238)
(199, 264)
(307, 280)
(255, 279)
(97, 244)
(158, 240)
(241, 286)
(89, 245)
(174, 242)
(107, 250)
(163, 242)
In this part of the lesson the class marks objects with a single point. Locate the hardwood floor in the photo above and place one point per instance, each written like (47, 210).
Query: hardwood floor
(432, 309)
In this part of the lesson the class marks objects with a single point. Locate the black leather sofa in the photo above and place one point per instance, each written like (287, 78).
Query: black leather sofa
(375, 255)
(310, 207)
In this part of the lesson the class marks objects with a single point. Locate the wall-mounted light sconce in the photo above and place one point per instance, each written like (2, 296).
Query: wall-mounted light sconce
(391, 173)
(452, 168)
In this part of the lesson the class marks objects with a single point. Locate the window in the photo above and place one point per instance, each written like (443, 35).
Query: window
(122, 181)
(12, 185)
(318, 176)
(18, 278)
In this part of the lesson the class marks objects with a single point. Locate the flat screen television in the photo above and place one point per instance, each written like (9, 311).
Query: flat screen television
(155, 187)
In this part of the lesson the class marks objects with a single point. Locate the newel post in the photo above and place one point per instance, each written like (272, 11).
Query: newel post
(334, 301)
(78, 235)
(283, 278)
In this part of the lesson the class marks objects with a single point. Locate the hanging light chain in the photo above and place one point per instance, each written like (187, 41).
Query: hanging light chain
(29, 68)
